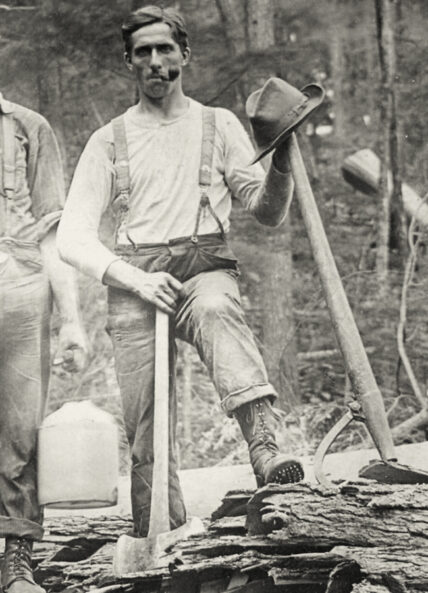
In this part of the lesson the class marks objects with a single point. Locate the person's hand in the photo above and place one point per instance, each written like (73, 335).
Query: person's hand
(281, 159)
(72, 352)
(159, 288)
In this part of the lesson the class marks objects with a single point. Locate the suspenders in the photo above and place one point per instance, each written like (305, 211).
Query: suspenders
(123, 178)
(205, 169)
(8, 179)
(7, 167)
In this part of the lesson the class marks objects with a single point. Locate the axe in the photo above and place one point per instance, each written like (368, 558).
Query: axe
(137, 554)
(369, 406)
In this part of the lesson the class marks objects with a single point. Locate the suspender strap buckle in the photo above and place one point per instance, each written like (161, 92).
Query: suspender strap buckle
(205, 200)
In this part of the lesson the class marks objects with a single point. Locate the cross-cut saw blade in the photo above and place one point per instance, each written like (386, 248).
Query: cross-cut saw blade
(391, 472)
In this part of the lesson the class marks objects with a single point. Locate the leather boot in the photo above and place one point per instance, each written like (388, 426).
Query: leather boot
(258, 420)
(16, 571)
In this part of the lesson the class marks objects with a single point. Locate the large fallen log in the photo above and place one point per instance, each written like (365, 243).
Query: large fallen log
(362, 538)
(385, 528)
(365, 514)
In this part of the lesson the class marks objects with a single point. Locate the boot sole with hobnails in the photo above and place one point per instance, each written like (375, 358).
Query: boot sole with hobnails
(286, 471)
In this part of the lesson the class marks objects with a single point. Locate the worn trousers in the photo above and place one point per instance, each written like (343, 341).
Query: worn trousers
(210, 317)
(24, 368)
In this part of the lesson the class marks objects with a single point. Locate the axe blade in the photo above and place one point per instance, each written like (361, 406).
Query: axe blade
(135, 555)
(391, 472)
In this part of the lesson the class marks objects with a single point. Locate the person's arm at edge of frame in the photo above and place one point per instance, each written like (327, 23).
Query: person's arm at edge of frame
(72, 336)
(47, 187)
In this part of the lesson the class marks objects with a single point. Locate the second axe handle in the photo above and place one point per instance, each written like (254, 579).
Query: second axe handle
(159, 510)
(357, 364)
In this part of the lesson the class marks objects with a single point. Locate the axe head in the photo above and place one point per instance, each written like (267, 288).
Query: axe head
(134, 555)
(391, 472)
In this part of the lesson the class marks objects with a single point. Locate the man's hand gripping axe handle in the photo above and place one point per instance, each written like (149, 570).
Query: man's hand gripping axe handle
(347, 334)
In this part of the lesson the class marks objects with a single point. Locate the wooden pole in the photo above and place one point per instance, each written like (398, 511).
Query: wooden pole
(347, 334)
(159, 510)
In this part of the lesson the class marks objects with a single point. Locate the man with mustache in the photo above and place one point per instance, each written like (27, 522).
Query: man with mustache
(169, 167)
(31, 202)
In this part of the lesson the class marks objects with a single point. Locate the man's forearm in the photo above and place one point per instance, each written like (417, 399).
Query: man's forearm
(274, 199)
(122, 275)
(62, 280)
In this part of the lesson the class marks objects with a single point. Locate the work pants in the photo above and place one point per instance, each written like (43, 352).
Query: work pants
(24, 368)
(210, 317)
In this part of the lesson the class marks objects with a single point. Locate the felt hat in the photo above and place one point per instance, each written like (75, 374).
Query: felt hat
(362, 170)
(276, 109)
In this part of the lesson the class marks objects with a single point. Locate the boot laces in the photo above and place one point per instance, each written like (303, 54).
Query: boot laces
(22, 557)
(261, 426)
(17, 562)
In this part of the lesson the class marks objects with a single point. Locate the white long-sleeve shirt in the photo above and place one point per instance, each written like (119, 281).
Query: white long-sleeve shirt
(164, 163)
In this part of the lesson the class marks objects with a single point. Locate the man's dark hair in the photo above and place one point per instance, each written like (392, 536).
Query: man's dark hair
(148, 15)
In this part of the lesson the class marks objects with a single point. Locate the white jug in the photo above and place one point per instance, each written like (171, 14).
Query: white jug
(78, 458)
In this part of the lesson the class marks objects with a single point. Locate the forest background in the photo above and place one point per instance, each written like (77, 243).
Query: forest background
(65, 60)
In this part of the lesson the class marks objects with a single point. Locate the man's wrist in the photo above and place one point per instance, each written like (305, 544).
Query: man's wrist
(123, 275)
(280, 164)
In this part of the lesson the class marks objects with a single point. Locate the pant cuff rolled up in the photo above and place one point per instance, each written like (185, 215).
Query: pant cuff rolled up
(16, 527)
(234, 400)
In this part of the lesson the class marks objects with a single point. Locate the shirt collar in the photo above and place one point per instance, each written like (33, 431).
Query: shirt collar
(5, 106)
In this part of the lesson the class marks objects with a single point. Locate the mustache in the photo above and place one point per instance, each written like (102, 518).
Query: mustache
(172, 73)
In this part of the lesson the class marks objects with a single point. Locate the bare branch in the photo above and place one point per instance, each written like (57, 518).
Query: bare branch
(10, 8)
(314, 355)
(408, 276)
(395, 404)
(416, 422)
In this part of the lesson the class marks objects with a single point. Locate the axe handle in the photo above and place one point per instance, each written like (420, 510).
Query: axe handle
(159, 509)
(347, 334)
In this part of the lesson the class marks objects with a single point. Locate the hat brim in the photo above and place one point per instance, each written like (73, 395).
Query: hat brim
(315, 95)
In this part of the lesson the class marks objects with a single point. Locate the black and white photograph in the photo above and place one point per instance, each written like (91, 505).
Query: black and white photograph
(213, 296)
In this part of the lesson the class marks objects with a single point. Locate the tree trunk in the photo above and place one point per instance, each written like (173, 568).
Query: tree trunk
(279, 339)
(369, 40)
(49, 75)
(261, 26)
(256, 36)
(337, 74)
(398, 218)
(279, 342)
(233, 16)
(391, 208)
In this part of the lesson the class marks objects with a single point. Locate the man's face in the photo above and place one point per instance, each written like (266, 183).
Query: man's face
(156, 59)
